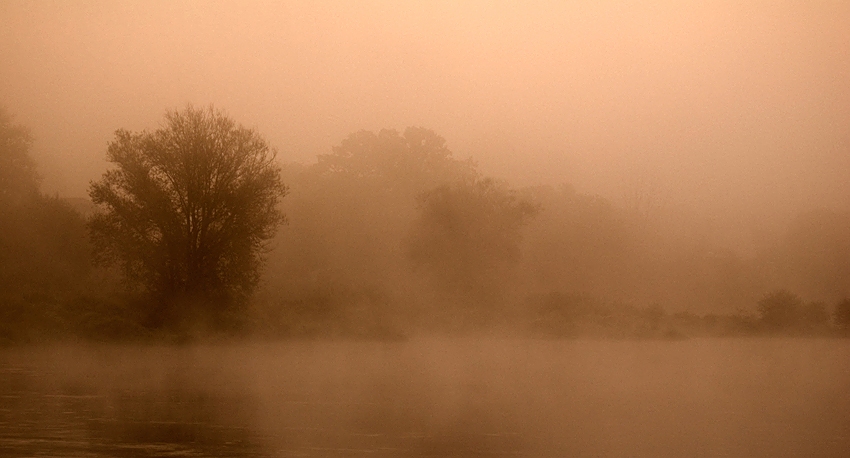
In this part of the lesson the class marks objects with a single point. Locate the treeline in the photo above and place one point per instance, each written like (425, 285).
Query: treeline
(389, 235)
(48, 286)
(778, 313)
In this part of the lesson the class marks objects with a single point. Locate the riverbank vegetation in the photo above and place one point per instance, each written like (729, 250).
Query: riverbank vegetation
(388, 236)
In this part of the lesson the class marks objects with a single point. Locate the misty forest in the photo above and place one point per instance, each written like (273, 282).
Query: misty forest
(424, 230)
(386, 236)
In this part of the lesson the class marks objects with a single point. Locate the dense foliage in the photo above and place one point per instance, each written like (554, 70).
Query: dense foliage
(186, 212)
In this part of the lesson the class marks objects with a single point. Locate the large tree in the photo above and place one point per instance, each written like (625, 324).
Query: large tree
(187, 211)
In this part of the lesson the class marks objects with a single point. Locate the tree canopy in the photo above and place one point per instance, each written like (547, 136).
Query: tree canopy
(187, 210)
(415, 160)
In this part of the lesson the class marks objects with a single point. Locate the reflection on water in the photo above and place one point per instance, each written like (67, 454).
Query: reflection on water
(56, 404)
(430, 398)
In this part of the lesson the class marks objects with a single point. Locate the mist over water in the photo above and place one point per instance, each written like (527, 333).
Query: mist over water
(436, 397)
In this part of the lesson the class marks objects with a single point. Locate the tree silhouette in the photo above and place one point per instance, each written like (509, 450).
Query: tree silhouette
(842, 315)
(780, 310)
(467, 238)
(18, 178)
(44, 255)
(409, 163)
(187, 211)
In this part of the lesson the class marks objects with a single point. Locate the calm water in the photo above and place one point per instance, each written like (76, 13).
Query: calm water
(459, 398)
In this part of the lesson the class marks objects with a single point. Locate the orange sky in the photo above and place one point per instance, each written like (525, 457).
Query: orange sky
(734, 110)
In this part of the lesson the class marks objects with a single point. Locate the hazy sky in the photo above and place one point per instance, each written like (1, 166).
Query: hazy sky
(731, 108)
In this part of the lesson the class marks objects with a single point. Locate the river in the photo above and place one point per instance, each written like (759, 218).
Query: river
(430, 398)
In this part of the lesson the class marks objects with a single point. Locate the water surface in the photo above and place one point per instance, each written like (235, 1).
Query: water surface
(430, 398)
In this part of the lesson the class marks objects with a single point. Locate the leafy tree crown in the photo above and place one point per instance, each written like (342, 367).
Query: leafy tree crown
(188, 208)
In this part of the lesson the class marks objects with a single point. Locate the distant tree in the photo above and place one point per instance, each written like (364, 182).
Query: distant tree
(780, 310)
(186, 212)
(842, 315)
(562, 314)
(814, 317)
(351, 212)
(815, 255)
(467, 237)
(415, 160)
(44, 255)
(578, 242)
(18, 177)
